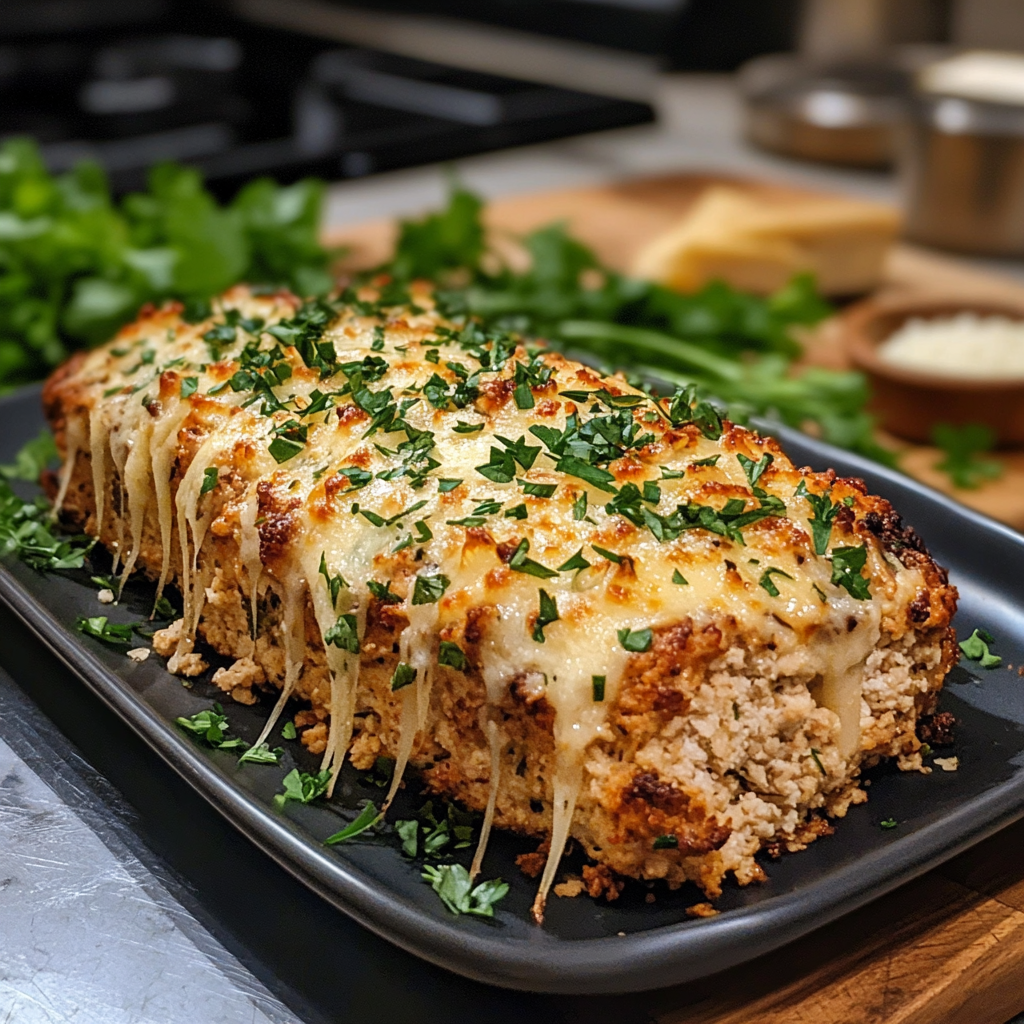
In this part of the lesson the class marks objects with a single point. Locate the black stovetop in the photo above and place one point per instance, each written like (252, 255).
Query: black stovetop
(243, 101)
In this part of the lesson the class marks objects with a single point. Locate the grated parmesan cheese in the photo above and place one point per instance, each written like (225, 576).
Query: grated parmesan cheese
(966, 345)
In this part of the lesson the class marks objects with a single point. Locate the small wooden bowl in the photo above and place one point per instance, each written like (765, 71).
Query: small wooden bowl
(909, 403)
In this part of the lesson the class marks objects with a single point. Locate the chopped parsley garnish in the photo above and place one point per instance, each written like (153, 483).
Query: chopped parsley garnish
(430, 589)
(344, 634)
(289, 440)
(610, 555)
(210, 478)
(210, 727)
(452, 655)
(711, 460)
(302, 787)
(679, 579)
(403, 675)
(444, 485)
(517, 512)
(520, 563)
(889, 823)
(822, 597)
(334, 583)
(846, 571)
(816, 754)
(98, 626)
(766, 580)
(547, 614)
(523, 396)
(669, 842)
(162, 608)
(189, 386)
(576, 562)
(753, 470)
(423, 532)
(597, 684)
(383, 592)
(288, 731)
(356, 477)
(409, 832)
(824, 514)
(262, 755)
(452, 883)
(579, 507)
(975, 647)
(366, 819)
(537, 490)
(636, 640)
(467, 428)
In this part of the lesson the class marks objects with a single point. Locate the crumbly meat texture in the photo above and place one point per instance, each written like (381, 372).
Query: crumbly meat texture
(763, 687)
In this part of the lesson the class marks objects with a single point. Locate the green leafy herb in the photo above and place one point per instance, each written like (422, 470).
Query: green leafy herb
(334, 583)
(262, 755)
(669, 842)
(976, 646)
(467, 428)
(766, 580)
(302, 787)
(519, 562)
(816, 754)
(402, 676)
(366, 819)
(444, 486)
(210, 727)
(753, 470)
(409, 833)
(576, 562)
(452, 883)
(597, 683)
(77, 265)
(344, 633)
(547, 614)
(288, 731)
(963, 448)
(679, 579)
(847, 564)
(33, 456)
(889, 823)
(382, 592)
(451, 654)
(98, 626)
(579, 507)
(430, 589)
(537, 490)
(636, 640)
(517, 512)
(824, 514)
(610, 555)
(210, 478)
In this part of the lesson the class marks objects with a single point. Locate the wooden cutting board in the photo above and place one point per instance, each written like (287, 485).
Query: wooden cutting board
(617, 220)
(949, 947)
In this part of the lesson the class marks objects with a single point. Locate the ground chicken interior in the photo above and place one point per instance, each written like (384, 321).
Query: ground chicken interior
(582, 611)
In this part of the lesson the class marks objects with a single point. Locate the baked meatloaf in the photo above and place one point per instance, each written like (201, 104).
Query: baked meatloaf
(581, 610)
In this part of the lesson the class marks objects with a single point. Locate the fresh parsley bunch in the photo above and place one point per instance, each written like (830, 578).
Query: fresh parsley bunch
(75, 265)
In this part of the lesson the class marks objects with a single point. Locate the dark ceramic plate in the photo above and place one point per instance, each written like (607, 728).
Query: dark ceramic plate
(586, 946)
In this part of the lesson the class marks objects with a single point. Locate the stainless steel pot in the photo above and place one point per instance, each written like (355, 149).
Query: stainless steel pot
(961, 164)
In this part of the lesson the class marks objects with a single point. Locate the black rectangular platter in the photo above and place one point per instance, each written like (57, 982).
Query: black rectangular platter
(587, 946)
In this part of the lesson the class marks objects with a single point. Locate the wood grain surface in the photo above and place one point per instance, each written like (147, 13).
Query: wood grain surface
(947, 948)
(617, 220)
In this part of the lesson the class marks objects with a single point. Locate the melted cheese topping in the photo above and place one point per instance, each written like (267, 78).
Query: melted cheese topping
(405, 502)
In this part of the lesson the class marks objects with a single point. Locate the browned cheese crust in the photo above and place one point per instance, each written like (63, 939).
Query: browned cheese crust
(747, 716)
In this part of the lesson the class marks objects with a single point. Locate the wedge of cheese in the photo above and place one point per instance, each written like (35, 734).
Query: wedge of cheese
(757, 244)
